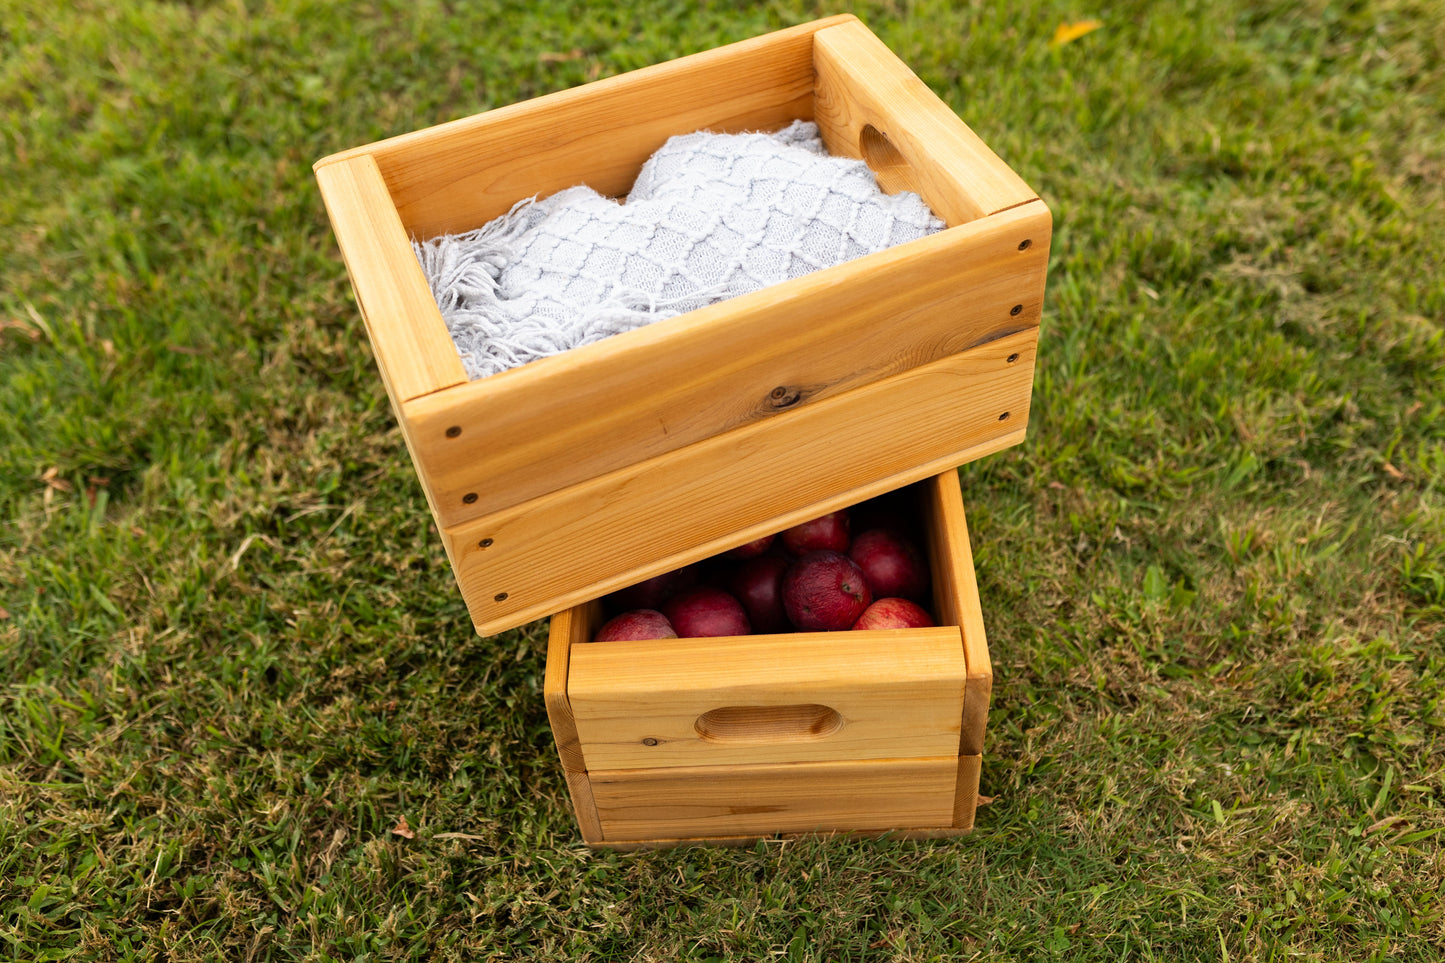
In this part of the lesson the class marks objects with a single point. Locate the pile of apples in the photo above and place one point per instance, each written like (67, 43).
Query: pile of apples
(815, 577)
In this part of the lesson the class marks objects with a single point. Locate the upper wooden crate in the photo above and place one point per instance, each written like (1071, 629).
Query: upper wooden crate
(575, 475)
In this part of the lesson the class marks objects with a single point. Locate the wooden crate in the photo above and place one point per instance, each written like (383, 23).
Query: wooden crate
(566, 478)
(734, 739)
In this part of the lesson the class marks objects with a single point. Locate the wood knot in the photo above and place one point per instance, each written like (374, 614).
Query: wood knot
(784, 397)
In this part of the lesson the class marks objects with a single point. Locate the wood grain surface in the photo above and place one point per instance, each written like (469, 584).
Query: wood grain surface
(803, 797)
(658, 515)
(413, 350)
(869, 104)
(760, 357)
(883, 695)
(457, 176)
(956, 596)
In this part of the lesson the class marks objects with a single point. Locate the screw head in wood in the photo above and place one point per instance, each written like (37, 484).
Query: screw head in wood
(1017, 310)
(469, 497)
(454, 431)
(649, 741)
(1012, 358)
(485, 543)
(500, 597)
(1025, 244)
(1003, 417)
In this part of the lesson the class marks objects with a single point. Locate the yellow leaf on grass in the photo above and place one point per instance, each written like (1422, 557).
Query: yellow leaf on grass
(1069, 32)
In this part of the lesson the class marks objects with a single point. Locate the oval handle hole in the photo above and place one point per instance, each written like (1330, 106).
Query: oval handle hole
(794, 723)
(889, 165)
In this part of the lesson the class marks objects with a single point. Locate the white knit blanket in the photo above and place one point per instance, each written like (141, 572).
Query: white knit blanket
(711, 216)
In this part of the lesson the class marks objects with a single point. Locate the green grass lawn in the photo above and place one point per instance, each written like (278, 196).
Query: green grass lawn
(233, 658)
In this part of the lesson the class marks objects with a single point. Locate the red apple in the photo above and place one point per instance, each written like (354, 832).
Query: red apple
(758, 584)
(637, 624)
(705, 612)
(893, 614)
(752, 549)
(825, 591)
(891, 564)
(825, 533)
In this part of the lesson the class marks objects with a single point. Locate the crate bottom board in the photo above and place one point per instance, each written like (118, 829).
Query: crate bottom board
(738, 805)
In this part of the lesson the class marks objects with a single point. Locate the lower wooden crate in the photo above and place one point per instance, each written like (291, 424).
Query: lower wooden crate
(735, 739)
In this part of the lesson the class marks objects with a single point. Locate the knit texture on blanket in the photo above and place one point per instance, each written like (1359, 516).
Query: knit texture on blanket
(711, 216)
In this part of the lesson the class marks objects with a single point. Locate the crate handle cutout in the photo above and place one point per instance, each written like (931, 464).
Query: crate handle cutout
(792, 723)
(887, 162)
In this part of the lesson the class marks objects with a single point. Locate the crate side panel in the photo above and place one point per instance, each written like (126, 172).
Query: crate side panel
(964, 809)
(500, 441)
(804, 797)
(917, 143)
(723, 842)
(956, 595)
(657, 515)
(414, 352)
(457, 176)
(768, 698)
(965, 796)
(579, 787)
(569, 628)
